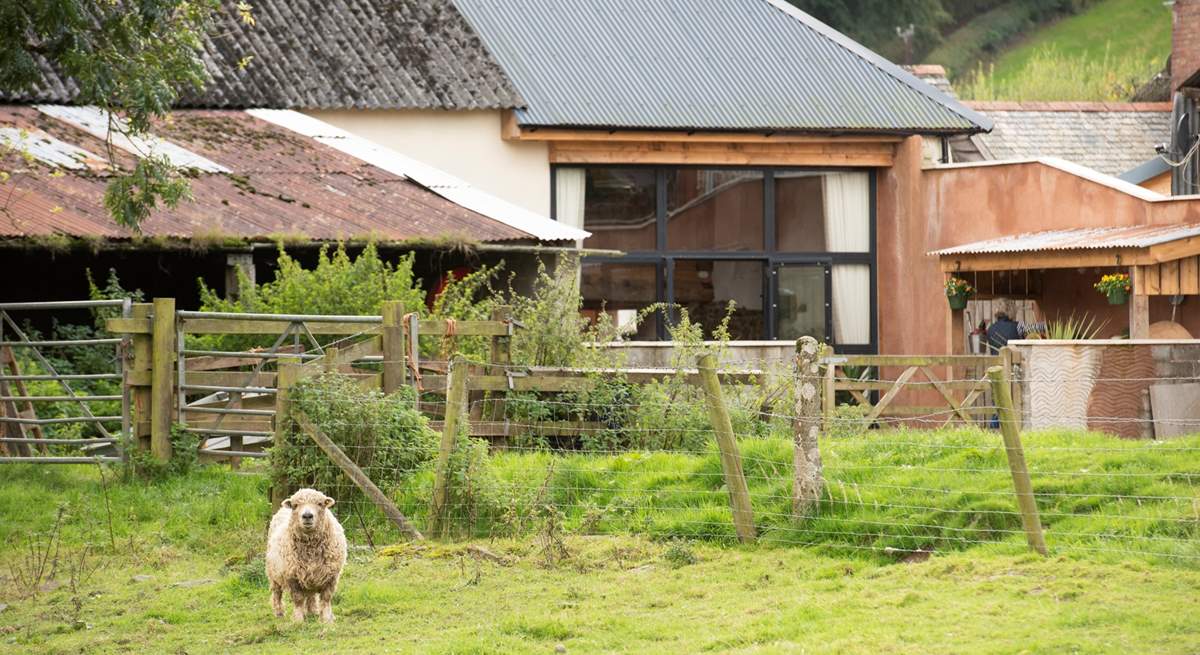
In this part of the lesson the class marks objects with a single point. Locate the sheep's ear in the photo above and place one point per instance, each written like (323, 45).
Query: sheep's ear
(328, 502)
(288, 503)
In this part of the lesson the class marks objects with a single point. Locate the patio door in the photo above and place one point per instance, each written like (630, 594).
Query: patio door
(801, 301)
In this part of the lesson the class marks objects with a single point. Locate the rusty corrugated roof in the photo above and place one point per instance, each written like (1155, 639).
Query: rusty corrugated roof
(279, 183)
(1089, 238)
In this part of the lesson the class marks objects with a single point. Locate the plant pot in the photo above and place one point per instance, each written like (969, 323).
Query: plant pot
(1118, 297)
(958, 301)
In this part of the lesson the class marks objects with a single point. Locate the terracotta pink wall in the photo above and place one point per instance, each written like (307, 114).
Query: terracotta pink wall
(923, 210)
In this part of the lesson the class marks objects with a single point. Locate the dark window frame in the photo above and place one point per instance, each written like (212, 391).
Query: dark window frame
(771, 258)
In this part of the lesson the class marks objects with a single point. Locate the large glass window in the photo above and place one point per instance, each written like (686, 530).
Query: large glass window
(705, 287)
(621, 290)
(791, 248)
(822, 212)
(714, 209)
(617, 205)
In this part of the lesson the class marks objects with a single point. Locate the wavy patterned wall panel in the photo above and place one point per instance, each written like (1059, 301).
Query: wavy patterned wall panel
(1117, 396)
(1060, 379)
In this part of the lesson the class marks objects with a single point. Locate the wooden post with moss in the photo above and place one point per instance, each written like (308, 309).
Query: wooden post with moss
(807, 480)
(392, 335)
(456, 396)
(1026, 502)
(281, 484)
(731, 459)
(162, 380)
(138, 375)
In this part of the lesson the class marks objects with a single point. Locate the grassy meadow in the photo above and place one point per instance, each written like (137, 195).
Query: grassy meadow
(914, 548)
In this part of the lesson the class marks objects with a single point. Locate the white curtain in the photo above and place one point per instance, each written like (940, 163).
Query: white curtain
(570, 190)
(848, 229)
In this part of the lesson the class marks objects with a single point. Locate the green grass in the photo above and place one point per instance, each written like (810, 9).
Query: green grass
(1102, 54)
(1122, 30)
(1121, 519)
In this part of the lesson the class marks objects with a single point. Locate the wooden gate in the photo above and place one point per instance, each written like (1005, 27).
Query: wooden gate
(931, 389)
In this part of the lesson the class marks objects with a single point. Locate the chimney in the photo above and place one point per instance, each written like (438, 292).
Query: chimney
(1185, 41)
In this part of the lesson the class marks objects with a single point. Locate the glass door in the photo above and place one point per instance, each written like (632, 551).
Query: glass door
(801, 306)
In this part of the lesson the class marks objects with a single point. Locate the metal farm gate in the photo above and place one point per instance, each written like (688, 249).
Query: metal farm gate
(87, 425)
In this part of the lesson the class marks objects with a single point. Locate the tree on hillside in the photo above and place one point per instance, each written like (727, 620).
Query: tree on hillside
(898, 29)
(130, 58)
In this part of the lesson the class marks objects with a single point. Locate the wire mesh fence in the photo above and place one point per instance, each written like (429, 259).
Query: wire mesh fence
(619, 460)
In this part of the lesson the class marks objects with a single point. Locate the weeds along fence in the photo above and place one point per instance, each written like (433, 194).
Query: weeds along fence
(890, 457)
(666, 455)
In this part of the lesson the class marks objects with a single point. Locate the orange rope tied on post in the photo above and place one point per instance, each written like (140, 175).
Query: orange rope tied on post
(448, 341)
(410, 351)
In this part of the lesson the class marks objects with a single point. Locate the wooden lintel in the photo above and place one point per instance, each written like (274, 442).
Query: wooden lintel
(1173, 250)
(1020, 261)
(810, 153)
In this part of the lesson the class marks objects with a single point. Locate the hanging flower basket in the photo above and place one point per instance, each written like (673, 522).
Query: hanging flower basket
(958, 292)
(1116, 286)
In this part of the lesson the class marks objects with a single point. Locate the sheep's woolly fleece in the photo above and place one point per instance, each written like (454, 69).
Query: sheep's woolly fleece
(307, 562)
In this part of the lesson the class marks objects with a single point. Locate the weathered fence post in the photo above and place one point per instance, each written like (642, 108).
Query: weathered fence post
(1016, 459)
(139, 375)
(289, 372)
(392, 336)
(500, 360)
(829, 395)
(807, 480)
(731, 459)
(456, 395)
(161, 377)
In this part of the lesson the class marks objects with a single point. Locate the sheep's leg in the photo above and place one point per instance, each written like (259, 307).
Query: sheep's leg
(314, 604)
(299, 602)
(327, 605)
(277, 598)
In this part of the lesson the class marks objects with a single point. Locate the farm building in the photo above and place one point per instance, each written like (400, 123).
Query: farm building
(772, 163)
(334, 187)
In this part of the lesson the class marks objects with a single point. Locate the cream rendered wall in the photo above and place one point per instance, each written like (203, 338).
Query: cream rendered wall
(464, 143)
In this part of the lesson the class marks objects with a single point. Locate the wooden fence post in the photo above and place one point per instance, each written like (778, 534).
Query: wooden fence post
(1016, 459)
(731, 459)
(162, 378)
(500, 360)
(140, 370)
(289, 372)
(392, 336)
(456, 395)
(829, 395)
(807, 480)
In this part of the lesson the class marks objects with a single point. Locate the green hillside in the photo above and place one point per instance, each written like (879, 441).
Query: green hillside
(1102, 53)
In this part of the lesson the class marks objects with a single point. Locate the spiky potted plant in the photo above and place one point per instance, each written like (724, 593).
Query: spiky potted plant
(958, 292)
(1116, 286)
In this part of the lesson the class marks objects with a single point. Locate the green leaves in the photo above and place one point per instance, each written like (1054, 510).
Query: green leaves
(128, 57)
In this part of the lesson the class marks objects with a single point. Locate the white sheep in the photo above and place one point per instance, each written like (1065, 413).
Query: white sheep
(306, 550)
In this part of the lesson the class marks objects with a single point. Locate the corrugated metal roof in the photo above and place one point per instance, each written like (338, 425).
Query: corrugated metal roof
(1093, 238)
(701, 64)
(336, 54)
(280, 183)
(440, 182)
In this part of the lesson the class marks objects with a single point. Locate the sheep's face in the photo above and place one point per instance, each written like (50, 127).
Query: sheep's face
(309, 508)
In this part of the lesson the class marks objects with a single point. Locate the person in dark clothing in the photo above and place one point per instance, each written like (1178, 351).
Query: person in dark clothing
(1002, 331)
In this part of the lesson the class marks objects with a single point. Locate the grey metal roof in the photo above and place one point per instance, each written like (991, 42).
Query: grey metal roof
(1146, 170)
(336, 54)
(1111, 137)
(701, 64)
(1085, 238)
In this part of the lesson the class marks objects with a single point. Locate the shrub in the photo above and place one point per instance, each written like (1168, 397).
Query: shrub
(384, 435)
